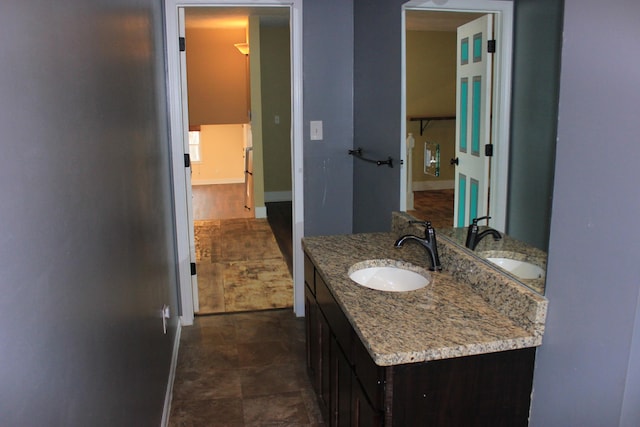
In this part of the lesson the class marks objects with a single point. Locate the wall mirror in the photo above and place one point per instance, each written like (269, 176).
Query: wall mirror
(508, 124)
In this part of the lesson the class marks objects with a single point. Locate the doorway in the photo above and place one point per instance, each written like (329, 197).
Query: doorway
(181, 178)
(238, 81)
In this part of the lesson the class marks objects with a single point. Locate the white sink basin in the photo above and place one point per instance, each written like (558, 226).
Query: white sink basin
(389, 275)
(521, 269)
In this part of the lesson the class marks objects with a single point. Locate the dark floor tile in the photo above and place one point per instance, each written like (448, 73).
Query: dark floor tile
(209, 413)
(258, 327)
(207, 385)
(272, 379)
(310, 401)
(285, 409)
(209, 330)
(270, 387)
(264, 353)
(208, 356)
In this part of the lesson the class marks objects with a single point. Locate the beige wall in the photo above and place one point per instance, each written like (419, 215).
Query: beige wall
(431, 91)
(276, 102)
(216, 75)
(222, 155)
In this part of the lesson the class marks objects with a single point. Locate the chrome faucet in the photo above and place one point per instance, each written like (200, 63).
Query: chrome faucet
(473, 237)
(428, 242)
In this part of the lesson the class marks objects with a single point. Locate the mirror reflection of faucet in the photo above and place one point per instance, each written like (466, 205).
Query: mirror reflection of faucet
(473, 235)
(429, 243)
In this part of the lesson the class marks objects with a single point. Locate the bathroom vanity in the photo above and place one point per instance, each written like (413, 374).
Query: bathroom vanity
(458, 352)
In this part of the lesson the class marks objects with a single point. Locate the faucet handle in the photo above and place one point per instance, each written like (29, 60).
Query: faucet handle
(429, 231)
(474, 221)
(426, 224)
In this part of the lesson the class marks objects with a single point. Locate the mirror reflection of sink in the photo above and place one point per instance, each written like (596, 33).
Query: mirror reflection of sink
(521, 269)
(389, 275)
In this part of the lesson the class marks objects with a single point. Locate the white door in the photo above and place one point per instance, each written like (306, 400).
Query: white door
(187, 170)
(473, 129)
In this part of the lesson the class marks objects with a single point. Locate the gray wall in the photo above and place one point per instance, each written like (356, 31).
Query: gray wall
(534, 110)
(328, 96)
(86, 245)
(377, 80)
(587, 370)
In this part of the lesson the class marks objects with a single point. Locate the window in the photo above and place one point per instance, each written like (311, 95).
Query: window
(194, 144)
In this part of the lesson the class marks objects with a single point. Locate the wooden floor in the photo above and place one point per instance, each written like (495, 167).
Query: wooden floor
(435, 206)
(220, 201)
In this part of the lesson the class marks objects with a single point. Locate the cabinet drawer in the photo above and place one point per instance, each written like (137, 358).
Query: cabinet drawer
(309, 274)
(338, 322)
(370, 375)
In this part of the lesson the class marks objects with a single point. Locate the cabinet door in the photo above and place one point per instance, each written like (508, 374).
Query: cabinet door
(363, 414)
(491, 389)
(341, 377)
(370, 375)
(324, 394)
(318, 345)
(313, 339)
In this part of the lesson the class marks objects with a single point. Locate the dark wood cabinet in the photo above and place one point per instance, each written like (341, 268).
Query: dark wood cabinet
(363, 413)
(484, 390)
(341, 380)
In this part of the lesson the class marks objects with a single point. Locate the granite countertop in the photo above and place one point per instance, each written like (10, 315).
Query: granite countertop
(467, 309)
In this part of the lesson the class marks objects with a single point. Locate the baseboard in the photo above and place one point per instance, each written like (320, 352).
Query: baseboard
(277, 196)
(261, 211)
(217, 181)
(433, 185)
(166, 412)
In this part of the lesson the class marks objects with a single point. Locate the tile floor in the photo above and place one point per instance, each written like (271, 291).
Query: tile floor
(244, 369)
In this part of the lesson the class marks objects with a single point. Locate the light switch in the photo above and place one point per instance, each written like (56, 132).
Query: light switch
(316, 130)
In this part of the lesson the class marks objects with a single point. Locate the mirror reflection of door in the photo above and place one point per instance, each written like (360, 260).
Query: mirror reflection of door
(431, 40)
(473, 113)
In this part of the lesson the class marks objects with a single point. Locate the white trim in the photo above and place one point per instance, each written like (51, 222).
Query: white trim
(445, 184)
(503, 28)
(261, 212)
(404, 174)
(179, 180)
(217, 181)
(297, 160)
(277, 196)
(168, 396)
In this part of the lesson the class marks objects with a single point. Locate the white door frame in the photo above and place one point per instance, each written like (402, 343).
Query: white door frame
(177, 152)
(503, 28)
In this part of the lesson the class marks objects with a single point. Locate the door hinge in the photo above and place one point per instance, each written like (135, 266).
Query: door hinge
(488, 150)
(182, 43)
(193, 268)
(491, 46)
(187, 160)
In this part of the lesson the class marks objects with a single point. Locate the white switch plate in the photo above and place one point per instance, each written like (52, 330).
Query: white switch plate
(315, 127)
